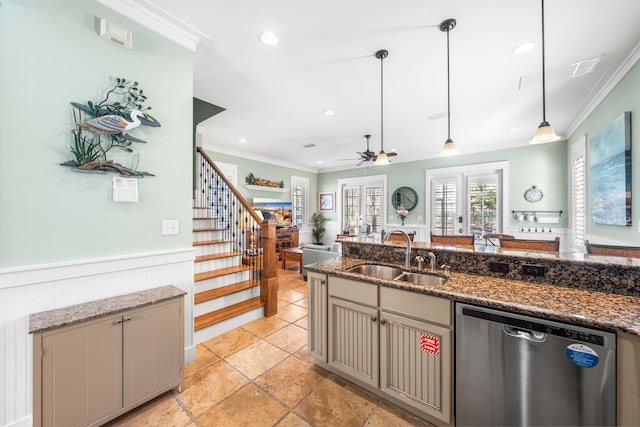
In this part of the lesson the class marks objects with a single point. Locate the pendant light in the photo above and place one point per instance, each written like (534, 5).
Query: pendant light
(449, 148)
(381, 158)
(545, 132)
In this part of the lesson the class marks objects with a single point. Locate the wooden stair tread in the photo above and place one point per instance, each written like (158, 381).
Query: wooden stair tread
(218, 316)
(222, 291)
(211, 257)
(211, 242)
(219, 272)
(199, 230)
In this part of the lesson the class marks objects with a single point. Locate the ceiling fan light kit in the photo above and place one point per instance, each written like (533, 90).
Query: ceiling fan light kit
(449, 148)
(545, 132)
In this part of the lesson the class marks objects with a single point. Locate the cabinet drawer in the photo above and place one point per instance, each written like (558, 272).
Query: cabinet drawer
(419, 306)
(362, 292)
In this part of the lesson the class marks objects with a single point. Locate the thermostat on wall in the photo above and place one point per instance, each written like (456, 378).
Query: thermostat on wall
(115, 33)
(125, 190)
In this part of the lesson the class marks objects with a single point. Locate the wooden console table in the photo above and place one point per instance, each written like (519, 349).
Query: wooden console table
(293, 254)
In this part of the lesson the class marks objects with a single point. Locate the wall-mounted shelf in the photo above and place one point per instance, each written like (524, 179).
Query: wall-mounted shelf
(542, 217)
(265, 188)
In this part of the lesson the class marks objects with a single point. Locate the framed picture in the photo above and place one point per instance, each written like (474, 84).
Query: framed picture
(610, 169)
(327, 201)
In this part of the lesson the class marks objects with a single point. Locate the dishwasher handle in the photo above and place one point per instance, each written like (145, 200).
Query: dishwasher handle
(524, 333)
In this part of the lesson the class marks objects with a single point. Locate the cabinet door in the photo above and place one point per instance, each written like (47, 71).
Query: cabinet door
(81, 372)
(410, 369)
(151, 353)
(353, 340)
(317, 328)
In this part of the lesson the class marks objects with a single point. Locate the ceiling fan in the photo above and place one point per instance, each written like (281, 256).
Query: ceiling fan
(368, 155)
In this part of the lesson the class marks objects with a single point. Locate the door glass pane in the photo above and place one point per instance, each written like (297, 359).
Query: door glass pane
(373, 208)
(483, 209)
(351, 207)
(444, 205)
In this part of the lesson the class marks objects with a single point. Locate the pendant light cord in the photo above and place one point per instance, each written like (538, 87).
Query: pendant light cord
(544, 102)
(381, 104)
(448, 92)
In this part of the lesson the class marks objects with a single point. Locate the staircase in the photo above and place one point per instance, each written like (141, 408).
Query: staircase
(225, 295)
(235, 280)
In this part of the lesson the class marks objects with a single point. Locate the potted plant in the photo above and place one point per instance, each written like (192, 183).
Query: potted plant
(318, 220)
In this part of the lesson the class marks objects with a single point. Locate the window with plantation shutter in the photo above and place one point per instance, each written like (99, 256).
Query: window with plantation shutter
(578, 192)
(482, 192)
(300, 201)
(373, 207)
(350, 206)
(444, 196)
(362, 204)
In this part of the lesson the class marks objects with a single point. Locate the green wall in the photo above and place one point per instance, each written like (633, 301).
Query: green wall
(624, 97)
(51, 54)
(540, 165)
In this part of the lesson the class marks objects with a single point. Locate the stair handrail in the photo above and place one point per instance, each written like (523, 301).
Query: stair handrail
(269, 265)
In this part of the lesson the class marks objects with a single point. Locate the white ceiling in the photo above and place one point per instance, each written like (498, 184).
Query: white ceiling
(275, 96)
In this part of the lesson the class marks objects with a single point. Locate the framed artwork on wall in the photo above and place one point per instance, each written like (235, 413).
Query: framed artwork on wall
(610, 173)
(327, 201)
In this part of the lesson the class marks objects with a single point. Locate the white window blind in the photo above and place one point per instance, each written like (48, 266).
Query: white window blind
(483, 204)
(578, 192)
(300, 201)
(444, 205)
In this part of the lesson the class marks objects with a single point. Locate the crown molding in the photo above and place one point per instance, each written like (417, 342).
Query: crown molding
(629, 61)
(168, 25)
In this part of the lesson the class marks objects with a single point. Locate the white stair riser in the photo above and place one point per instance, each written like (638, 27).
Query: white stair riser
(225, 301)
(220, 328)
(216, 282)
(200, 212)
(205, 223)
(215, 264)
(203, 236)
(217, 248)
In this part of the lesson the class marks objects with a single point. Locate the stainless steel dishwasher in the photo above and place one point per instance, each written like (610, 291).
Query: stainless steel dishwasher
(519, 370)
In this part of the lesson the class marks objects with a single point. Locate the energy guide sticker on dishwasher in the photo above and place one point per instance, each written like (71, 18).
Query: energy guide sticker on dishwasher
(582, 355)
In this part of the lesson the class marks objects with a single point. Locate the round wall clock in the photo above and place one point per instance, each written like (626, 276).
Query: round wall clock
(534, 194)
(405, 197)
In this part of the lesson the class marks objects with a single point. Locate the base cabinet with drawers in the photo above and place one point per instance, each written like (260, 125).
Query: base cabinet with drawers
(93, 371)
(397, 342)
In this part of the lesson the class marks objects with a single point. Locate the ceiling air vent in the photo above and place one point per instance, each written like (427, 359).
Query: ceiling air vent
(564, 72)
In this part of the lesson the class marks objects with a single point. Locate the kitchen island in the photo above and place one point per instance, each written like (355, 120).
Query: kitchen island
(594, 292)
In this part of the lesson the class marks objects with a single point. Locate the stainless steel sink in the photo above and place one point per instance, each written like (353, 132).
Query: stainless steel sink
(378, 271)
(422, 279)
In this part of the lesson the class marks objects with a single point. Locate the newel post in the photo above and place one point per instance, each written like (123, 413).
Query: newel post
(269, 281)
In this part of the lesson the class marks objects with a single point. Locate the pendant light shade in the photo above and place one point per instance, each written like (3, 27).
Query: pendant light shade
(545, 132)
(449, 148)
(381, 158)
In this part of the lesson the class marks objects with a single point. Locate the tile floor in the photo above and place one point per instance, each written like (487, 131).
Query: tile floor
(261, 375)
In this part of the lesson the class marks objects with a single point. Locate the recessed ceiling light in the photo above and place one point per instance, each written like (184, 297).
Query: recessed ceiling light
(269, 38)
(328, 112)
(523, 48)
(514, 129)
(242, 140)
(319, 162)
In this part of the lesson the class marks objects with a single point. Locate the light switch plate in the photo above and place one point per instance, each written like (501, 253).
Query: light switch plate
(170, 227)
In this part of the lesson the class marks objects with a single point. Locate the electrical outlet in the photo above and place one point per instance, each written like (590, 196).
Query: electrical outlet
(533, 270)
(498, 267)
(170, 227)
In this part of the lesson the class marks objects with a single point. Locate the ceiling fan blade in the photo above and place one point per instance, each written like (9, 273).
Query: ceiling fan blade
(357, 158)
(361, 162)
(392, 154)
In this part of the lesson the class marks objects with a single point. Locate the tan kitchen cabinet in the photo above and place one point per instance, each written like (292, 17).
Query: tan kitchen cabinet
(317, 328)
(90, 372)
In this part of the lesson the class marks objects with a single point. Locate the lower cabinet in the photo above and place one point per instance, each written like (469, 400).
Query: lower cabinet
(317, 327)
(93, 371)
(396, 341)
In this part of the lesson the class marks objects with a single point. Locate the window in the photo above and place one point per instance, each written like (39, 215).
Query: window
(578, 193)
(300, 201)
(467, 200)
(362, 202)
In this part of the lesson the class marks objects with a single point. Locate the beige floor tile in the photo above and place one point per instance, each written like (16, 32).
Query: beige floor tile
(290, 338)
(389, 415)
(304, 302)
(257, 358)
(336, 403)
(291, 312)
(292, 380)
(164, 410)
(249, 406)
(204, 358)
(293, 420)
(303, 354)
(265, 325)
(209, 386)
(303, 323)
(230, 342)
(290, 295)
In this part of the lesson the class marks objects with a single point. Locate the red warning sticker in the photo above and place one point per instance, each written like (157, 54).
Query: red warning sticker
(430, 344)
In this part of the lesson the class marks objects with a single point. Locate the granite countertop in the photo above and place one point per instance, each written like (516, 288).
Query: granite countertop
(581, 307)
(90, 310)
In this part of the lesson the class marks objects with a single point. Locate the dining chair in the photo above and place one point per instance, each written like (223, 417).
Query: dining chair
(607, 250)
(453, 239)
(535, 245)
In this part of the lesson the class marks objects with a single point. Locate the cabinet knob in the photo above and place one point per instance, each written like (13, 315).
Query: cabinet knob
(126, 319)
(383, 322)
(323, 282)
(117, 322)
(374, 318)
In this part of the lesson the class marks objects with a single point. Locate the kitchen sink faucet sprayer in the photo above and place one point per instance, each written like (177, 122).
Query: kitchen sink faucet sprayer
(407, 251)
(432, 262)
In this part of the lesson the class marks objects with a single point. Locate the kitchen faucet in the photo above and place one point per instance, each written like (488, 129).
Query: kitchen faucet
(407, 251)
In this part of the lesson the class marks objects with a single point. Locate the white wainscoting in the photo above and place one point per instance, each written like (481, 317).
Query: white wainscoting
(32, 289)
